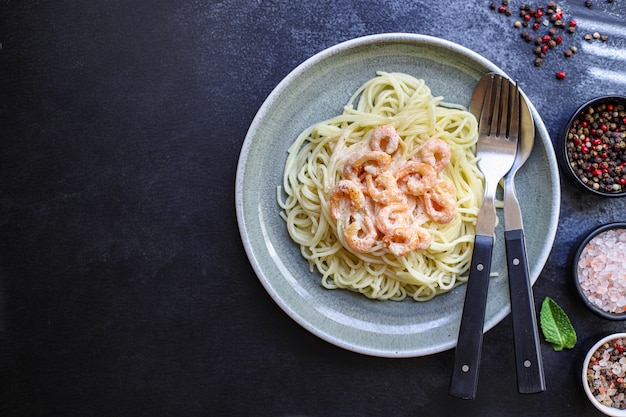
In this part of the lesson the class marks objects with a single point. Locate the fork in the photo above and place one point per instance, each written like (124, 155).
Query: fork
(496, 149)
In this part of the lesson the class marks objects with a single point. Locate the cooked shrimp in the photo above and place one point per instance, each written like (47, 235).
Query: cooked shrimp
(418, 212)
(404, 240)
(392, 216)
(348, 156)
(346, 196)
(373, 162)
(418, 176)
(437, 153)
(383, 189)
(440, 202)
(361, 234)
(385, 138)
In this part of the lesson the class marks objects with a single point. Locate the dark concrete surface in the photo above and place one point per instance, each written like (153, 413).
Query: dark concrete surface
(124, 286)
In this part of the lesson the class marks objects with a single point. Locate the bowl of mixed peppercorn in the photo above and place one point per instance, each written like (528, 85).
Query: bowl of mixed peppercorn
(604, 373)
(594, 146)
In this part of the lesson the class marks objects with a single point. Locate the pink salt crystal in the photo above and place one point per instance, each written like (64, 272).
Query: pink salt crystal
(602, 270)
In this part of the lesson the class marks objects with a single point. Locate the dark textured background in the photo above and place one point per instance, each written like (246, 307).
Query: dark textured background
(124, 286)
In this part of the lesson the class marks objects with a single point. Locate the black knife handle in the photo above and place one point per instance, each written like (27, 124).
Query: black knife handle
(530, 375)
(464, 380)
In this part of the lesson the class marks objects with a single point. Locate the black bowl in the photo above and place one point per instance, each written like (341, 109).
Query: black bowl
(575, 272)
(578, 149)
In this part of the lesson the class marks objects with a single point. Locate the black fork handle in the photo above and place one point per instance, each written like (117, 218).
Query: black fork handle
(464, 380)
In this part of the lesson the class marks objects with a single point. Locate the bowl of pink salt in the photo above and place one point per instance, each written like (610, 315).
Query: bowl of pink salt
(604, 375)
(599, 271)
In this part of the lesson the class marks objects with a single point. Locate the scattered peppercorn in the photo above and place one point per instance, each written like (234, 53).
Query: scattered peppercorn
(596, 146)
(560, 75)
(548, 23)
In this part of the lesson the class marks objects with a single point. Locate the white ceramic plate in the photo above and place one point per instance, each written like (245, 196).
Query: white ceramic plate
(317, 90)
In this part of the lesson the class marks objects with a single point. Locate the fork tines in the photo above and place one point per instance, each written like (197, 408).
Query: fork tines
(494, 115)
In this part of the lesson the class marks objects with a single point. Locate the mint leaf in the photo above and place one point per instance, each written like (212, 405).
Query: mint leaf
(555, 325)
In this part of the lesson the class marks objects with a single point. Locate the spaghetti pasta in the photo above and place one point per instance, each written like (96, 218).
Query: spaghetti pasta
(356, 188)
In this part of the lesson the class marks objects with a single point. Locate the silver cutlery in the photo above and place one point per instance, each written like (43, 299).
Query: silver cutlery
(528, 361)
(529, 364)
(496, 149)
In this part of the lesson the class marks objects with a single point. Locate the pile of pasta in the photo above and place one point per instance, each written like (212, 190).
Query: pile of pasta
(383, 198)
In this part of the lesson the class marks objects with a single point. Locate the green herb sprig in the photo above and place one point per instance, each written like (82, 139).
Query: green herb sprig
(556, 326)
